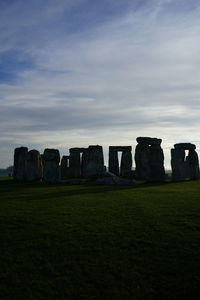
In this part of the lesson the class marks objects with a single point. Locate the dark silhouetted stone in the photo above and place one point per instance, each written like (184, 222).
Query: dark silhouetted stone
(20, 163)
(193, 162)
(184, 167)
(51, 169)
(77, 164)
(149, 159)
(156, 161)
(126, 160)
(84, 161)
(185, 146)
(95, 162)
(126, 164)
(148, 141)
(113, 162)
(179, 169)
(74, 164)
(64, 166)
(142, 161)
(34, 166)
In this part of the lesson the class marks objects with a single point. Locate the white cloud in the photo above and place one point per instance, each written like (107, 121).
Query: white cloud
(135, 75)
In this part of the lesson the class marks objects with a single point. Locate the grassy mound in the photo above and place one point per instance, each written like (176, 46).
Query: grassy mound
(99, 242)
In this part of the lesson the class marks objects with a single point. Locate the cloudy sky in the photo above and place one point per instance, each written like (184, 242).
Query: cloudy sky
(80, 72)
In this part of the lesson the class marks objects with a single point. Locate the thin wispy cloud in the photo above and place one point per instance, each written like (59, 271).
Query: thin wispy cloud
(75, 73)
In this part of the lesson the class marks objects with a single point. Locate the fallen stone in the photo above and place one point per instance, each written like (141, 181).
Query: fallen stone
(108, 178)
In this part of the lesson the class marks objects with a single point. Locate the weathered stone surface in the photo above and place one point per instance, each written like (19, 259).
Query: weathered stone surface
(108, 178)
(149, 141)
(113, 162)
(184, 167)
(74, 164)
(42, 158)
(156, 161)
(179, 170)
(120, 148)
(34, 166)
(193, 165)
(149, 159)
(77, 162)
(84, 160)
(51, 169)
(77, 150)
(20, 163)
(64, 166)
(126, 163)
(185, 146)
(95, 161)
(142, 153)
(126, 160)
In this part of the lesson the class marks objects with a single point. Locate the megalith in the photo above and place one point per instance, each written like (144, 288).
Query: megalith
(126, 160)
(64, 166)
(84, 161)
(142, 157)
(20, 163)
(193, 162)
(184, 167)
(34, 166)
(126, 163)
(156, 160)
(149, 159)
(51, 169)
(95, 161)
(113, 161)
(76, 162)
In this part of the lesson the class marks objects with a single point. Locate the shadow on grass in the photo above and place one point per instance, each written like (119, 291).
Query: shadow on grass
(56, 191)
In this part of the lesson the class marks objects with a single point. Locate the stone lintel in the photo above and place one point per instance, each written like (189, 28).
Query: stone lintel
(148, 140)
(120, 148)
(77, 150)
(185, 146)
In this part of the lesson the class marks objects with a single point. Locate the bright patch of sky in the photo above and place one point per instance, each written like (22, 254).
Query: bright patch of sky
(75, 73)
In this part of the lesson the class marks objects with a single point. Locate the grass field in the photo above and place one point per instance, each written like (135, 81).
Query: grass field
(99, 242)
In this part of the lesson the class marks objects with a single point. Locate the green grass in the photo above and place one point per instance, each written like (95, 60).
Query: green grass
(99, 242)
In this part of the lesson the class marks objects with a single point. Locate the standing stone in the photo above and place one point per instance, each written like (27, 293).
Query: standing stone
(51, 171)
(95, 161)
(156, 160)
(34, 166)
(20, 163)
(177, 164)
(184, 167)
(149, 159)
(84, 160)
(142, 153)
(74, 163)
(126, 163)
(193, 161)
(64, 166)
(126, 160)
(113, 162)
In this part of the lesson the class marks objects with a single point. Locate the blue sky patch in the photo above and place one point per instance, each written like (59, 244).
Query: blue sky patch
(12, 63)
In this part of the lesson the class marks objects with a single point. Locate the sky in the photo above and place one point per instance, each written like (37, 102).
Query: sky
(75, 73)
